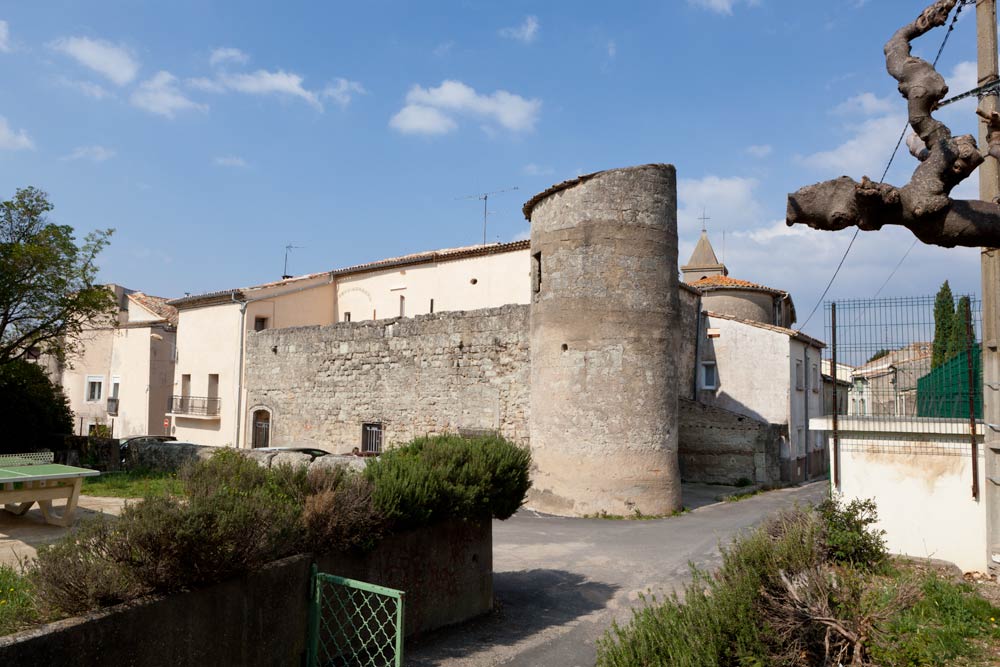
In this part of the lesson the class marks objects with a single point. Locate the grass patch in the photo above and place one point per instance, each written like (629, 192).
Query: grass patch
(637, 515)
(133, 484)
(18, 608)
(737, 497)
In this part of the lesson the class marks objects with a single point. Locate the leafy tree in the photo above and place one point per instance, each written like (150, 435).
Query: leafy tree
(959, 340)
(32, 407)
(47, 290)
(944, 315)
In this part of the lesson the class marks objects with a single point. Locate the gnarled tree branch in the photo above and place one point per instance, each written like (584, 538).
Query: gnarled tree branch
(923, 205)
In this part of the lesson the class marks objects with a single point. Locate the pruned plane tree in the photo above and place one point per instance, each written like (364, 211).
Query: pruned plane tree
(923, 205)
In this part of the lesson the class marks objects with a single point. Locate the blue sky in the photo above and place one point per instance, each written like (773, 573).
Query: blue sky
(211, 134)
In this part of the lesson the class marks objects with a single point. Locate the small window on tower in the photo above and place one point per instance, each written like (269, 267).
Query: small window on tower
(347, 316)
(709, 378)
(259, 323)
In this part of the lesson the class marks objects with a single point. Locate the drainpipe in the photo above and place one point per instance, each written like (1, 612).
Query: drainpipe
(243, 334)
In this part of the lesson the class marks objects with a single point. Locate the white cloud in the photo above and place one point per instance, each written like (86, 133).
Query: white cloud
(93, 153)
(865, 152)
(867, 104)
(88, 88)
(728, 201)
(4, 37)
(11, 140)
(261, 82)
(416, 119)
(231, 161)
(115, 62)
(724, 7)
(160, 95)
(342, 91)
(760, 150)
(427, 107)
(225, 55)
(612, 49)
(527, 32)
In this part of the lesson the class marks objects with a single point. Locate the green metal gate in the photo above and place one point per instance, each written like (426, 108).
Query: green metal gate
(354, 623)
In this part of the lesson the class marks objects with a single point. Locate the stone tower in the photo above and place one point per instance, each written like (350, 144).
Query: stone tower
(604, 312)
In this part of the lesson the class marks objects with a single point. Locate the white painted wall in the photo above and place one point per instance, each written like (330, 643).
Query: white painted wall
(500, 279)
(924, 500)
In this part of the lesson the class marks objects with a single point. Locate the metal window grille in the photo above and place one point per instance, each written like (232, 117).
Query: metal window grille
(371, 438)
(354, 623)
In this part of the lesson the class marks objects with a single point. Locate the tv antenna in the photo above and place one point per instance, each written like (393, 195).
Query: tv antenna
(288, 248)
(485, 196)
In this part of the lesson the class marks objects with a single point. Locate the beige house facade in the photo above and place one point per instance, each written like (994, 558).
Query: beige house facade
(208, 404)
(121, 377)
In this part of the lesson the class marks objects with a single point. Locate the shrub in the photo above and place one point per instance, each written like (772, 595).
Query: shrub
(848, 534)
(433, 478)
(340, 514)
(76, 573)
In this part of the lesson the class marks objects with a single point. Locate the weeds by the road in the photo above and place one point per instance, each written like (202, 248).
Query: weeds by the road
(18, 608)
(636, 515)
(809, 588)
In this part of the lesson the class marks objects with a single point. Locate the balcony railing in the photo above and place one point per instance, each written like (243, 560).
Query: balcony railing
(113, 407)
(201, 406)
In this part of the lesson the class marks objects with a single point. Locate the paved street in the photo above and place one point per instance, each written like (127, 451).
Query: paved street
(560, 582)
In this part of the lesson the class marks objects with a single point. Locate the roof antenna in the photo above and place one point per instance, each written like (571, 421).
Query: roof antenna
(288, 248)
(485, 197)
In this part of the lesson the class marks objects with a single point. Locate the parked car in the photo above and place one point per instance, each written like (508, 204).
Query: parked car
(314, 452)
(123, 443)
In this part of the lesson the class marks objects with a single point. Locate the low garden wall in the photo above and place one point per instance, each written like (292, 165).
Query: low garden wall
(262, 618)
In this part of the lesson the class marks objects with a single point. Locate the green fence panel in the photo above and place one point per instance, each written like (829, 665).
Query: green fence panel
(354, 623)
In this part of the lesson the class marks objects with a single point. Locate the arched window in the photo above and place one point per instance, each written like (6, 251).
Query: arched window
(261, 429)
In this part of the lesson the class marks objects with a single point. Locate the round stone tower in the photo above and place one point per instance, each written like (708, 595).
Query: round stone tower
(604, 314)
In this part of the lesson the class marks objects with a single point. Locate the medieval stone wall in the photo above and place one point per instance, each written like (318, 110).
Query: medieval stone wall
(718, 446)
(444, 372)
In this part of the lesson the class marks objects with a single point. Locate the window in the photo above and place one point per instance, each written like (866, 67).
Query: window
(95, 387)
(259, 323)
(402, 306)
(347, 317)
(709, 379)
(261, 423)
(815, 378)
(861, 407)
(115, 382)
(799, 379)
(432, 305)
(213, 385)
(536, 272)
(371, 438)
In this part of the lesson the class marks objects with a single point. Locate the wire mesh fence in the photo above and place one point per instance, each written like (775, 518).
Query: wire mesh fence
(354, 623)
(914, 358)
(906, 377)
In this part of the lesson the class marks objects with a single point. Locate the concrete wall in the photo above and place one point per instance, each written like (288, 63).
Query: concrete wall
(470, 283)
(722, 447)
(604, 327)
(94, 359)
(261, 619)
(921, 482)
(416, 376)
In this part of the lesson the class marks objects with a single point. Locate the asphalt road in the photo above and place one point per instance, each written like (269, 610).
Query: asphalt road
(559, 583)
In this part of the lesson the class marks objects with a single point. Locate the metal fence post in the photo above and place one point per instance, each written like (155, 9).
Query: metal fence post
(400, 629)
(312, 641)
(970, 345)
(836, 435)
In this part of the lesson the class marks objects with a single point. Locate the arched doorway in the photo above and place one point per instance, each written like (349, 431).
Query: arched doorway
(261, 425)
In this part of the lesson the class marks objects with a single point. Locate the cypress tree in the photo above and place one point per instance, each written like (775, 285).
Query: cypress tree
(958, 340)
(944, 315)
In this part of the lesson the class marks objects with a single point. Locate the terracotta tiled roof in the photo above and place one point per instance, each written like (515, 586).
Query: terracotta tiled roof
(156, 305)
(725, 282)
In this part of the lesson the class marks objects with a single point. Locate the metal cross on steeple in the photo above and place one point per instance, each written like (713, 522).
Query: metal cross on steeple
(703, 219)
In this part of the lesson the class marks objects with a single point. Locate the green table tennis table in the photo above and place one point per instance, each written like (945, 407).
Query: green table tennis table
(26, 479)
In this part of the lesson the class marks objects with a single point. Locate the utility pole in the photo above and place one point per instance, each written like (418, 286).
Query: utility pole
(989, 189)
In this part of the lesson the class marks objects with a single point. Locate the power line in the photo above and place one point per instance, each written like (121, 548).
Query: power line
(895, 150)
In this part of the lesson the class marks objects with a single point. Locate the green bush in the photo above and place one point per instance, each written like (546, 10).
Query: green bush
(32, 408)
(434, 478)
(849, 535)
